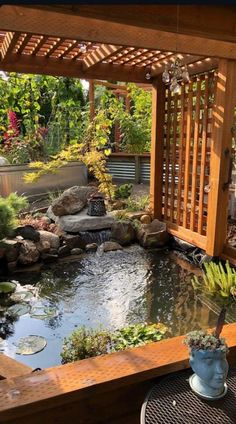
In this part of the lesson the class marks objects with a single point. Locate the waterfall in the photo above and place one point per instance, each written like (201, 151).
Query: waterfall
(99, 236)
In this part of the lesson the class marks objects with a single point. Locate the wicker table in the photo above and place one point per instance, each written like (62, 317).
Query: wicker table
(171, 401)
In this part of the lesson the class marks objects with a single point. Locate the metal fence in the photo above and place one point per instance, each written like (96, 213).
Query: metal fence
(125, 167)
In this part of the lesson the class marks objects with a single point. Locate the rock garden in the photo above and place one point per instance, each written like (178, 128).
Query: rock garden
(64, 229)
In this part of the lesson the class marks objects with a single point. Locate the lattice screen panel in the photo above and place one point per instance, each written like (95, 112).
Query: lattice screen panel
(187, 144)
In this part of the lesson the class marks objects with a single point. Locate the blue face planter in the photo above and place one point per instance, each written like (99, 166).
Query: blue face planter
(211, 369)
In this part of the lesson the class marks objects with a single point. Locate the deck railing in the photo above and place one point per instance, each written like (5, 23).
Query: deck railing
(105, 389)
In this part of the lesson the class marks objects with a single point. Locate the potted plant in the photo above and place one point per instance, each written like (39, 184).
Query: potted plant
(208, 361)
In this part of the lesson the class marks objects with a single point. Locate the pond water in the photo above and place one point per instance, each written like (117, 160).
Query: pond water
(112, 289)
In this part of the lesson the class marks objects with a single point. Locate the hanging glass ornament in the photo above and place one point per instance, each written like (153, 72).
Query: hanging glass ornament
(83, 48)
(174, 86)
(185, 74)
(166, 76)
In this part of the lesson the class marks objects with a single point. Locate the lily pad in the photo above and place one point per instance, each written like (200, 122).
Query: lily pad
(20, 296)
(7, 287)
(19, 309)
(43, 312)
(30, 345)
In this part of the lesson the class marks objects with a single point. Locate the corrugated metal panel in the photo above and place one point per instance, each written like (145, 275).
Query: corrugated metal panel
(144, 170)
(121, 169)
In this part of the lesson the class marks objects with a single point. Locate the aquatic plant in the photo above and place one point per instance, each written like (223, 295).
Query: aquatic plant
(137, 335)
(85, 343)
(217, 280)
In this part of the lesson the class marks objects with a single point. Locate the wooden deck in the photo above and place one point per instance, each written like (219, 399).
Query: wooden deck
(106, 389)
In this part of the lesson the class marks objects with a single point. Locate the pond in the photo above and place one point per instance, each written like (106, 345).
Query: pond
(111, 289)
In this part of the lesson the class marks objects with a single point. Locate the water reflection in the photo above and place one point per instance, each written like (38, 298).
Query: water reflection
(113, 289)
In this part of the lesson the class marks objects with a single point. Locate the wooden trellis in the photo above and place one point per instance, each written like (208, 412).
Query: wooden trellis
(186, 155)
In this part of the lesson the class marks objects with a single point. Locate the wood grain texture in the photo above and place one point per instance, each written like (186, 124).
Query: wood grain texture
(223, 118)
(10, 368)
(30, 20)
(156, 171)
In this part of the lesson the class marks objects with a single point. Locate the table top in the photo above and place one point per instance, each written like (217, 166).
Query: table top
(171, 401)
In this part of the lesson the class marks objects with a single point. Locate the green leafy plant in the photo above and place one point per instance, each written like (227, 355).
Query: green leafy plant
(91, 149)
(85, 343)
(138, 204)
(121, 215)
(9, 209)
(137, 335)
(123, 191)
(217, 280)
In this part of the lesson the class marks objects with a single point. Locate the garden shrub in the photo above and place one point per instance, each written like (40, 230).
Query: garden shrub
(123, 191)
(9, 208)
(138, 204)
(85, 343)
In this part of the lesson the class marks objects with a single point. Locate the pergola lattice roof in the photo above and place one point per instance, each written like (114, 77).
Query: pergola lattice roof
(26, 52)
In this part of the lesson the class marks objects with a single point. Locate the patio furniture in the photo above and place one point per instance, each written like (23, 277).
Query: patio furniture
(171, 401)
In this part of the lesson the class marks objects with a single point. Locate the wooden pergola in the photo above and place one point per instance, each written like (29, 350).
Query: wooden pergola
(191, 131)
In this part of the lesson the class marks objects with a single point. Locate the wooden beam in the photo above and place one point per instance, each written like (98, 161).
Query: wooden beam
(187, 235)
(223, 116)
(110, 85)
(216, 22)
(37, 21)
(9, 43)
(100, 54)
(158, 119)
(71, 68)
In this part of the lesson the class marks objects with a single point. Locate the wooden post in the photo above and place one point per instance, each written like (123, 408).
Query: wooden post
(137, 169)
(223, 112)
(157, 142)
(91, 99)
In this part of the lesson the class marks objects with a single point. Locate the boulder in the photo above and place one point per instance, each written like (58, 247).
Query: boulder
(43, 246)
(52, 239)
(123, 232)
(63, 251)
(28, 253)
(92, 247)
(11, 249)
(28, 233)
(12, 266)
(76, 251)
(83, 222)
(153, 235)
(109, 246)
(50, 214)
(49, 257)
(73, 241)
(72, 200)
(183, 245)
(145, 219)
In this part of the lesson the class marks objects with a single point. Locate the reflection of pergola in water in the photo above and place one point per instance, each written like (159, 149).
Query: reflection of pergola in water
(191, 131)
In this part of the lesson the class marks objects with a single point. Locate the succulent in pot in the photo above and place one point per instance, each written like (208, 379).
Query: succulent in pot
(208, 361)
